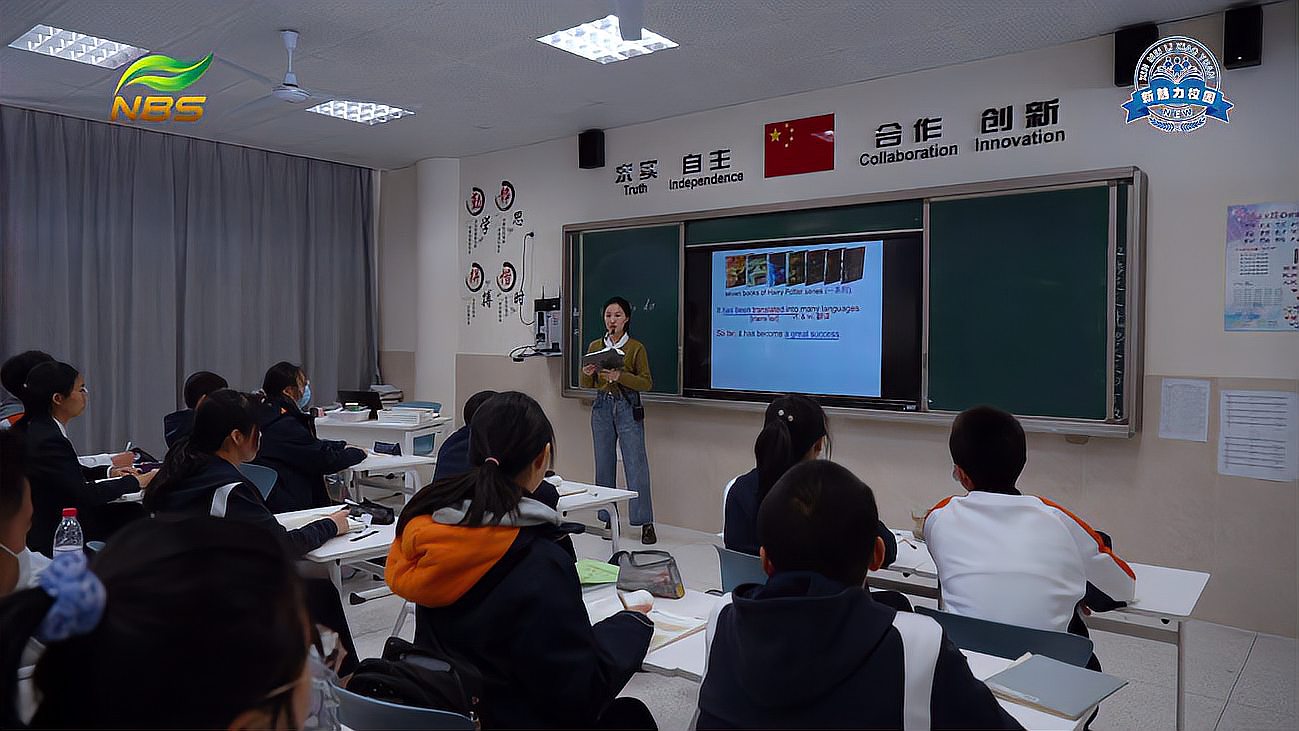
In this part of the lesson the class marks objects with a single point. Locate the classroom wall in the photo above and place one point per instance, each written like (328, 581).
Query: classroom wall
(397, 280)
(1162, 500)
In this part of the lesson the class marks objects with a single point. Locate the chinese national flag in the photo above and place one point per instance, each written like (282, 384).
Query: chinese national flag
(798, 146)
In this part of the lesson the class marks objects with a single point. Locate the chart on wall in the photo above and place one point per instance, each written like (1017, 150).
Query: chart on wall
(1262, 263)
(494, 255)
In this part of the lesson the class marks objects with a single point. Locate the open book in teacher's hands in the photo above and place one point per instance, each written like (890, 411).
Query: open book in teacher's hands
(608, 359)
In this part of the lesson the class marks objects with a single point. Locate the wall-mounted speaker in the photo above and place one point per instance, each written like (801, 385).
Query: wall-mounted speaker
(590, 149)
(1242, 37)
(1129, 43)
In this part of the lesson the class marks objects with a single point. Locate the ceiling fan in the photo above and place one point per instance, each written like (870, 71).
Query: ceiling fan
(287, 90)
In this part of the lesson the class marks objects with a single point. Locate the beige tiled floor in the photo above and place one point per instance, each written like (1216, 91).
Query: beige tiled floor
(1236, 679)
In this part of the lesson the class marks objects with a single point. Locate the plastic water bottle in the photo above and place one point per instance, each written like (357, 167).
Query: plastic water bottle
(68, 536)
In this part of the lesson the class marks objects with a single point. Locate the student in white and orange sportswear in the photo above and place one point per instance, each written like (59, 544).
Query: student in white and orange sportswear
(1014, 558)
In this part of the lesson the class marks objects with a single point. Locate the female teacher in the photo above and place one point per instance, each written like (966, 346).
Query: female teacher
(616, 415)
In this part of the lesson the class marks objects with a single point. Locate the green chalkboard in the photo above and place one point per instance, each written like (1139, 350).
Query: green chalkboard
(642, 265)
(900, 215)
(1019, 289)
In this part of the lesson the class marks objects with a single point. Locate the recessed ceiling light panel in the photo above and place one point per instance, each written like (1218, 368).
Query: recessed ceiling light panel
(600, 41)
(50, 41)
(361, 112)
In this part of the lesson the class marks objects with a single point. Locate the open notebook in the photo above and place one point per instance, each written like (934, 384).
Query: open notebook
(668, 627)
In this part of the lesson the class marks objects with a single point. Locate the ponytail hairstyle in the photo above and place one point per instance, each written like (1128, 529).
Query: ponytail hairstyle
(204, 620)
(280, 376)
(626, 310)
(43, 382)
(222, 412)
(13, 374)
(792, 426)
(508, 432)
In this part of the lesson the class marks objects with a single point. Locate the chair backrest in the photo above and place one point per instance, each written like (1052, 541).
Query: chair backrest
(726, 492)
(739, 568)
(1010, 641)
(263, 477)
(370, 714)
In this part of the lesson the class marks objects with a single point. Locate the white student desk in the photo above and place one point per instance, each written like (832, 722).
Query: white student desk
(1166, 594)
(581, 496)
(407, 464)
(686, 657)
(346, 548)
(366, 433)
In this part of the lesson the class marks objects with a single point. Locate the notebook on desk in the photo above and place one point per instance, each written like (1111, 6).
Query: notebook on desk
(1053, 687)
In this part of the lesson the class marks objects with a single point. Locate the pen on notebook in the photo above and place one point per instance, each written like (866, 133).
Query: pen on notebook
(363, 535)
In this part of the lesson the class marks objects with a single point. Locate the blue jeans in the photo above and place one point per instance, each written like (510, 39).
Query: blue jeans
(612, 424)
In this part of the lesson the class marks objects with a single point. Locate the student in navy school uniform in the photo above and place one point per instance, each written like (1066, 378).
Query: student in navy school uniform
(201, 476)
(290, 446)
(811, 648)
(53, 395)
(794, 429)
(13, 376)
(180, 423)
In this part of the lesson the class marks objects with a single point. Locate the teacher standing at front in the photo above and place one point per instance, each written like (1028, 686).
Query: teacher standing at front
(616, 416)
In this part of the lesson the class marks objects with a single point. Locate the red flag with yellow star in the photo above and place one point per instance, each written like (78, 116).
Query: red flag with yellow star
(798, 146)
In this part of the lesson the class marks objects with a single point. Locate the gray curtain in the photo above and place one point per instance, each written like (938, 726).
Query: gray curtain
(140, 257)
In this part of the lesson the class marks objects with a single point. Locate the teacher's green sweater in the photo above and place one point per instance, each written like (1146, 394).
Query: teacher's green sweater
(636, 370)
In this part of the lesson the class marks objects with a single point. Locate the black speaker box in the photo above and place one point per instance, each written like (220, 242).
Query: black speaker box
(590, 149)
(1242, 37)
(1129, 43)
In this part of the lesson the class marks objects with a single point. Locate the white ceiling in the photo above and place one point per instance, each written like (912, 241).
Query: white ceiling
(478, 80)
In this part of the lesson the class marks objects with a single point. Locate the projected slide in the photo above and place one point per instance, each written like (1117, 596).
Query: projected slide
(804, 319)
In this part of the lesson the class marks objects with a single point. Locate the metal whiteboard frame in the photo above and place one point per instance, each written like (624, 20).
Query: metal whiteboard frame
(1135, 303)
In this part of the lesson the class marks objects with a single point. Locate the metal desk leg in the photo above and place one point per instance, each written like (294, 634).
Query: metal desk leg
(615, 525)
(1181, 676)
(336, 574)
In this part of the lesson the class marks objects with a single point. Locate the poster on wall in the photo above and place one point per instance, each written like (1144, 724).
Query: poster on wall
(492, 255)
(1262, 266)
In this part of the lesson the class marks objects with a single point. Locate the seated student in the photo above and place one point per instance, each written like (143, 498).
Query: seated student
(54, 394)
(1014, 558)
(179, 424)
(190, 624)
(13, 376)
(811, 648)
(794, 429)
(479, 556)
(15, 515)
(290, 446)
(453, 457)
(200, 476)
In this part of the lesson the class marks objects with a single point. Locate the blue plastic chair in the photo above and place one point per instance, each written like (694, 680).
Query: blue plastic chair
(1011, 641)
(739, 568)
(360, 713)
(263, 477)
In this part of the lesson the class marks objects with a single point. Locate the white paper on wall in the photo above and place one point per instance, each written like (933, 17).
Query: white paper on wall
(1184, 409)
(1258, 435)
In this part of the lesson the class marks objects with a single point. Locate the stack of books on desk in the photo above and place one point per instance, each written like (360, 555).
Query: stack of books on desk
(389, 396)
(402, 417)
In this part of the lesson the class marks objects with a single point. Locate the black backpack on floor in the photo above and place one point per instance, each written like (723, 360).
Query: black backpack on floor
(420, 677)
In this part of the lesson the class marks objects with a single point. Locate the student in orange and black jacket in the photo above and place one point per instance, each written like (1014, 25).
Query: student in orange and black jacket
(482, 559)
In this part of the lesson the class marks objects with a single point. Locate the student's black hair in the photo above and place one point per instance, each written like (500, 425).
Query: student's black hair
(510, 428)
(204, 620)
(792, 425)
(989, 445)
(13, 374)
(473, 402)
(280, 376)
(43, 381)
(201, 384)
(818, 518)
(11, 473)
(222, 412)
(626, 310)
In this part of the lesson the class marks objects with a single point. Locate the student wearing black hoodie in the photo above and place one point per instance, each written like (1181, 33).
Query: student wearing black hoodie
(290, 446)
(482, 560)
(453, 457)
(811, 648)
(201, 476)
(180, 423)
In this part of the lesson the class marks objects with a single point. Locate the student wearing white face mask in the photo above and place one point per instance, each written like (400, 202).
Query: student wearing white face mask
(15, 515)
(290, 446)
